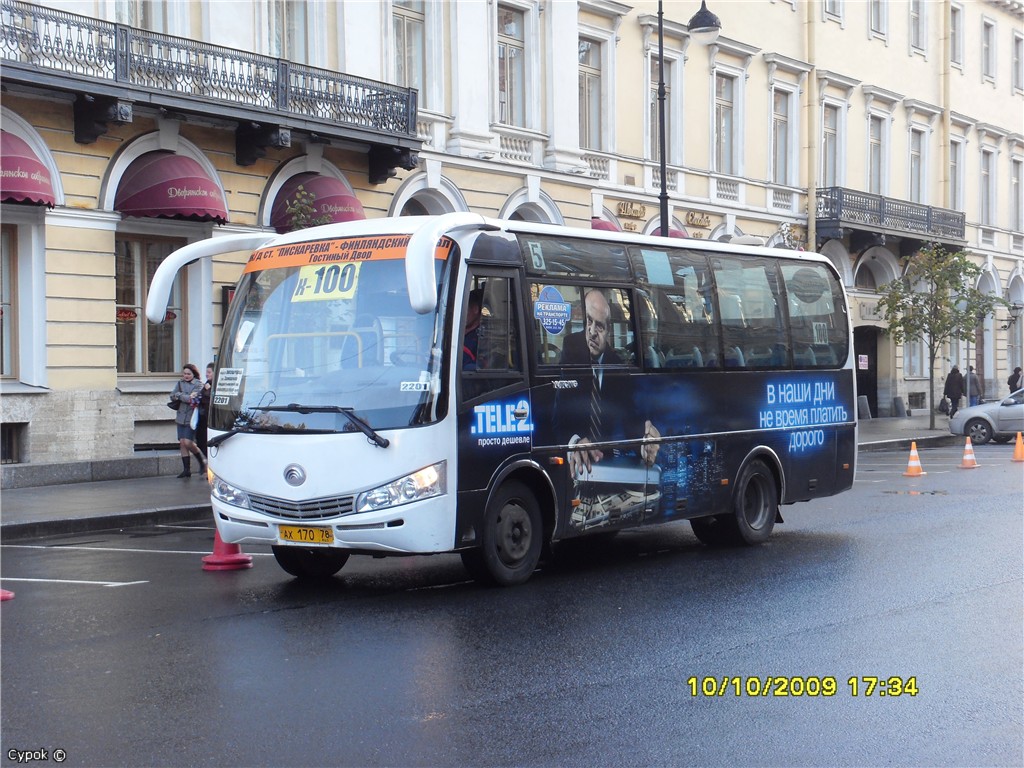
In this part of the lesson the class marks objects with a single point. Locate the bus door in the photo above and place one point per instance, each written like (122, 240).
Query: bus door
(590, 414)
(495, 420)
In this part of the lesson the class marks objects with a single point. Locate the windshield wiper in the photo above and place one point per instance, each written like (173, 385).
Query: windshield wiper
(251, 428)
(349, 413)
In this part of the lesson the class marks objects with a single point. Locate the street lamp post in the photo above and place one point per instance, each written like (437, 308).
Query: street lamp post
(704, 27)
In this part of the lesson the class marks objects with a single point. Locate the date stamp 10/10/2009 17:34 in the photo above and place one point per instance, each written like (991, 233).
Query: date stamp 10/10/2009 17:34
(800, 686)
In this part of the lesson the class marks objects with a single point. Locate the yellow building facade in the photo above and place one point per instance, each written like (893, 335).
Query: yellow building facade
(862, 130)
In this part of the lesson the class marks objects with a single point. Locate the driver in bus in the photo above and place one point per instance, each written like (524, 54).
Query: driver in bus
(594, 347)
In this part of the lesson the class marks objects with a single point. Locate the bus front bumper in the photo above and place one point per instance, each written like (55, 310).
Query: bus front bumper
(420, 527)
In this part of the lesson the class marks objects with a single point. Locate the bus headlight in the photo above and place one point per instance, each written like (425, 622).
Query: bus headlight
(227, 493)
(427, 482)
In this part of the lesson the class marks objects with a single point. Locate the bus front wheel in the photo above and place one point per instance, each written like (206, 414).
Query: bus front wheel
(756, 503)
(511, 537)
(310, 563)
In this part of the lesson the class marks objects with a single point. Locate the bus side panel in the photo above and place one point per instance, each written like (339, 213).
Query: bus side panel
(709, 422)
(490, 433)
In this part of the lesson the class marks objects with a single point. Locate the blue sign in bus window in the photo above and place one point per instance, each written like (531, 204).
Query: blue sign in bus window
(552, 310)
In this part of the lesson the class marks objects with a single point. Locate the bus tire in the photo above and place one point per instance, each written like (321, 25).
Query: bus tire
(715, 531)
(755, 503)
(310, 564)
(511, 537)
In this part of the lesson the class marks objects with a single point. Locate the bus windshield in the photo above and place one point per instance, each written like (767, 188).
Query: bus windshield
(322, 331)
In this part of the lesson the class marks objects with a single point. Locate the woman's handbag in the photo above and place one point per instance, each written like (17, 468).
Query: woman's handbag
(174, 404)
(943, 405)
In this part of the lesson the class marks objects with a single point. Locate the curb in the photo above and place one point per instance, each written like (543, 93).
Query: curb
(904, 443)
(62, 527)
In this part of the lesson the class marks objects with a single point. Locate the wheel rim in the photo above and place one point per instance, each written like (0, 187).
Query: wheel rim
(514, 533)
(978, 431)
(755, 503)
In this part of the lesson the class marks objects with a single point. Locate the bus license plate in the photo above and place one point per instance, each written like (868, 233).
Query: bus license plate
(302, 535)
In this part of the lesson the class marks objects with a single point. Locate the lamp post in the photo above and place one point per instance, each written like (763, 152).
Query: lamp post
(1014, 312)
(704, 27)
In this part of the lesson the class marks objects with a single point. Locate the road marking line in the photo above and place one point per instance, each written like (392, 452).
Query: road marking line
(62, 548)
(73, 581)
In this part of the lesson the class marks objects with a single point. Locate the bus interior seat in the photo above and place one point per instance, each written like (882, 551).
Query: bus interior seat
(804, 356)
(692, 359)
(734, 358)
(653, 358)
(824, 354)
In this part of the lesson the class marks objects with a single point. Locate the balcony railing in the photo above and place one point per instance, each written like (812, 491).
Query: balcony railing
(34, 39)
(839, 207)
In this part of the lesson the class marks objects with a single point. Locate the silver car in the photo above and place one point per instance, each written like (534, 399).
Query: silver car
(999, 420)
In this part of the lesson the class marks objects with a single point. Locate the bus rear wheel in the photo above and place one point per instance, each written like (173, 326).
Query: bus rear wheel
(310, 563)
(511, 538)
(755, 504)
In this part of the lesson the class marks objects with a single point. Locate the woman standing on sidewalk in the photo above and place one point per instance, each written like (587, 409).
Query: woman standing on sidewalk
(186, 393)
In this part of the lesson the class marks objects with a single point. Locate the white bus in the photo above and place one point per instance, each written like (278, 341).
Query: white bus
(606, 380)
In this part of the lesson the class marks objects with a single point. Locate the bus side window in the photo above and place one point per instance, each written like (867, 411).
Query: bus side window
(490, 351)
(819, 338)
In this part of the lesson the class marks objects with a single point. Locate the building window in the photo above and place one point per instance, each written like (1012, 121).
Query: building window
(655, 153)
(956, 175)
(830, 146)
(913, 359)
(590, 94)
(511, 67)
(8, 292)
(876, 154)
(408, 22)
(988, 50)
(1018, 63)
(878, 9)
(918, 25)
(142, 346)
(725, 124)
(834, 9)
(1016, 195)
(288, 30)
(988, 193)
(781, 135)
(956, 43)
(916, 165)
(143, 14)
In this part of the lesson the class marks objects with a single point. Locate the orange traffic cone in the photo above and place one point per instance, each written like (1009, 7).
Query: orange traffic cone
(6, 595)
(914, 466)
(969, 462)
(1018, 449)
(226, 557)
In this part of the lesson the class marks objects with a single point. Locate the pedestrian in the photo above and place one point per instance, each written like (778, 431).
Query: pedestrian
(186, 393)
(1014, 380)
(954, 389)
(973, 386)
(204, 409)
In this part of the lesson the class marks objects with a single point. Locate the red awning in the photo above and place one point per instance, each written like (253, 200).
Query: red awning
(672, 232)
(597, 223)
(165, 185)
(23, 177)
(331, 199)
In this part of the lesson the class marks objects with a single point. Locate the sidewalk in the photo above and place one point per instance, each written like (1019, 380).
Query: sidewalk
(80, 507)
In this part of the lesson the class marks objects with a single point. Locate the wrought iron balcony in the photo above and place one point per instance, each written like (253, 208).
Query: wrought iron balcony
(40, 47)
(842, 209)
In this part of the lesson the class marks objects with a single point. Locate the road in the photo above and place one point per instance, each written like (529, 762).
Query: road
(643, 649)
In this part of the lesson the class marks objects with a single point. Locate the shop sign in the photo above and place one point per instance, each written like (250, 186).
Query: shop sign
(632, 210)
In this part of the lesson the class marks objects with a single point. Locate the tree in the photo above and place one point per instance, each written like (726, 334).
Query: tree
(935, 301)
(301, 211)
